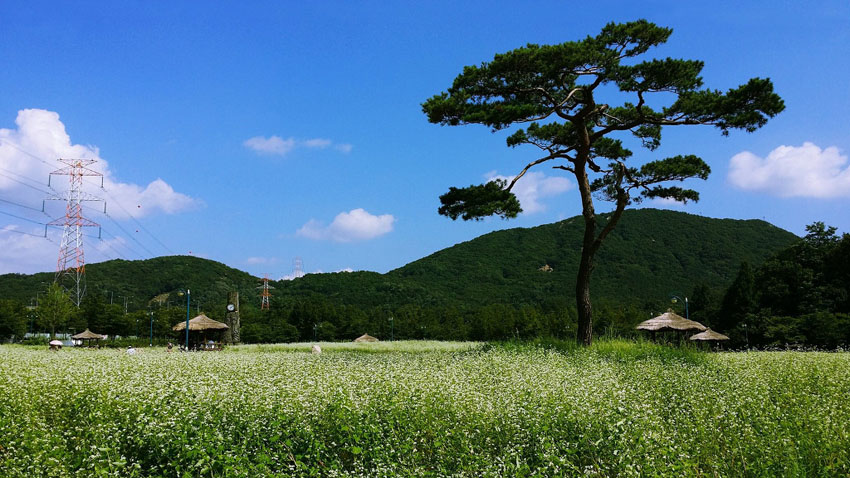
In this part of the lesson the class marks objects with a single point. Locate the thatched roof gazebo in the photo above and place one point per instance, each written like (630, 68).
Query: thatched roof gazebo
(88, 337)
(199, 328)
(200, 323)
(709, 336)
(366, 338)
(670, 321)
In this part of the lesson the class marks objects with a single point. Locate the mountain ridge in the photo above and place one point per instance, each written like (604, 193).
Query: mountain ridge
(650, 253)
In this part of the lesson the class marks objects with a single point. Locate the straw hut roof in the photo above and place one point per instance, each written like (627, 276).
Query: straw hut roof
(88, 335)
(709, 335)
(201, 322)
(670, 321)
(366, 338)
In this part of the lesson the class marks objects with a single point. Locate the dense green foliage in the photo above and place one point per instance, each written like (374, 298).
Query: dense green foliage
(488, 288)
(799, 296)
(13, 319)
(616, 409)
(649, 255)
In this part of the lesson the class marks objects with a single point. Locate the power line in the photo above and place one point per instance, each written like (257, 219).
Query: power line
(33, 180)
(40, 223)
(141, 226)
(109, 245)
(124, 244)
(115, 236)
(25, 184)
(20, 205)
(25, 233)
(24, 151)
(150, 254)
(23, 218)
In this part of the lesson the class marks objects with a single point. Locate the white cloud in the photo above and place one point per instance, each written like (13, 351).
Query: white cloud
(793, 171)
(355, 225)
(22, 251)
(138, 201)
(260, 260)
(533, 187)
(277, 146)
(318, 143)
(293, 275)
(28, 155)
(344, 148)
(668, 203)
(272, 145)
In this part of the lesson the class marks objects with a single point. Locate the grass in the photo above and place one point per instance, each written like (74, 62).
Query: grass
(425, 409)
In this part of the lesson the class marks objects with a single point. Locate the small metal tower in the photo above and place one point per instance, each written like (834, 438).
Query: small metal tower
(266, 294)
(71, 266)
(298, 268)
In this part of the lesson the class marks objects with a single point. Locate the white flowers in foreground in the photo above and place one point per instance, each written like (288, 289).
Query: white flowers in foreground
(419, 408)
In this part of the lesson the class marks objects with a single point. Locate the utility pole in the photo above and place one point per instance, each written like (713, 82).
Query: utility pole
(151, 314)
(71, 265)
(188, 301)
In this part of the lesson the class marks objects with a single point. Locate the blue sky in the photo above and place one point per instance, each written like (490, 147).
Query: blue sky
(253, 133)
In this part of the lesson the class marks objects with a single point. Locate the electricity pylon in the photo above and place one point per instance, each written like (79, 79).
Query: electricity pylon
(71, 266)
(266, 294)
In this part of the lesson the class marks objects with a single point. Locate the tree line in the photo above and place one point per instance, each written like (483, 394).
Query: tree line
(798, 296)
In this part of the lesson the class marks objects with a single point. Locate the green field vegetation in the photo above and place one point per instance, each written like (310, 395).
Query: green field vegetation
(424, 409)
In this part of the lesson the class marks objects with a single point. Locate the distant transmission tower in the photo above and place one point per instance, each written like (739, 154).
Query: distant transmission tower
(298, 269)
(71, 266)
(266, 294)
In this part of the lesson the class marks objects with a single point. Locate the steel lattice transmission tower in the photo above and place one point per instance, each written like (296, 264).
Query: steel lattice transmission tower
(266, 294)
(71, 266)
(298, 269)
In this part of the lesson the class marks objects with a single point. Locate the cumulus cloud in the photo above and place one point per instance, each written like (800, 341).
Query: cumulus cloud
(28, 154)
(277, 146)
(22, 250)
(793, 171)
(533, 187)
(355, 225)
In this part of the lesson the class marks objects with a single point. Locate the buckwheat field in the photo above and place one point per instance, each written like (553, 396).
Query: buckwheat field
(424, 409)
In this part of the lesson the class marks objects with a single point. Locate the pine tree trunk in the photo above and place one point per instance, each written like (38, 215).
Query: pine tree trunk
(584, 335)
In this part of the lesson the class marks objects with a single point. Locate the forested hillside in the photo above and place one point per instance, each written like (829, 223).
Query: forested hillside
(648, 255)
(510, 282)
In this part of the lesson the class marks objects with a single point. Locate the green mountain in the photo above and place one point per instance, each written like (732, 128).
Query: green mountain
(142, 281)
(650, 254)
